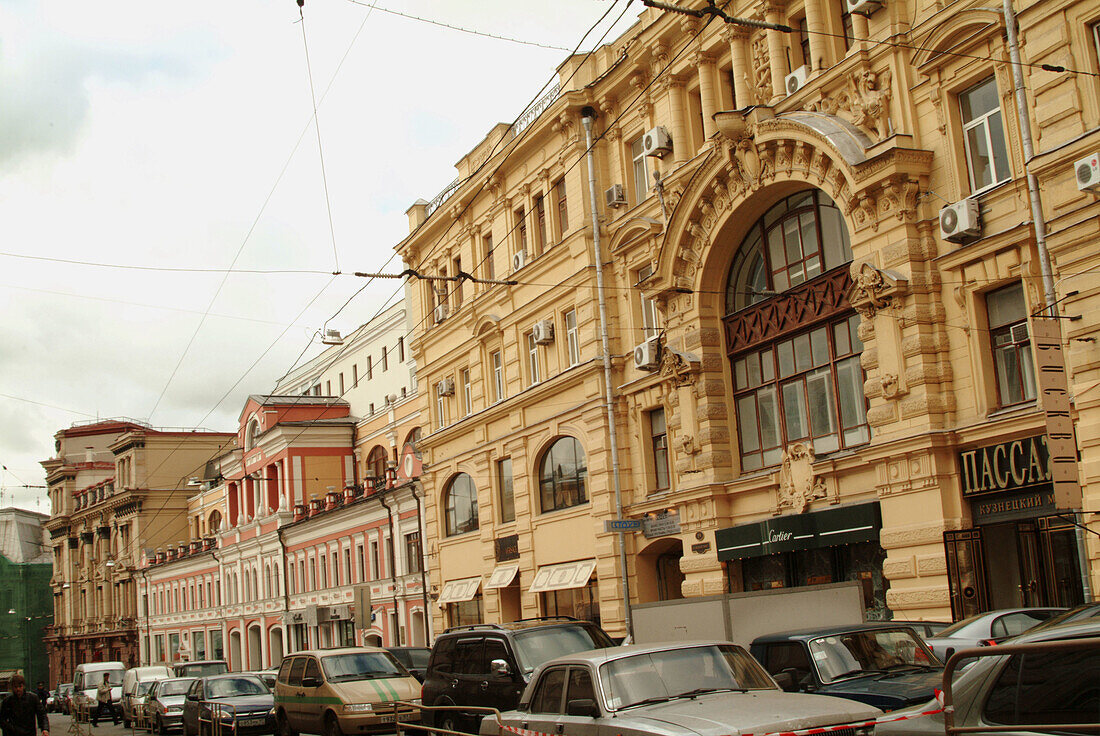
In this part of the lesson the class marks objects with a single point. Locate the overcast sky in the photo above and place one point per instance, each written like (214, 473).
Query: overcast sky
(156, 134)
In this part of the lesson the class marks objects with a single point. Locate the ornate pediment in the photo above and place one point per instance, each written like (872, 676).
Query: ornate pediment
(874, 288)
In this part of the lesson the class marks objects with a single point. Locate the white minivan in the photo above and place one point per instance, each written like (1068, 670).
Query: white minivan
(86, 681)
(135, 683)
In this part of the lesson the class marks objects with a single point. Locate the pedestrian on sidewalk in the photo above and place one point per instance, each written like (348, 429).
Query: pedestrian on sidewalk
(22, 711)
(103, 700)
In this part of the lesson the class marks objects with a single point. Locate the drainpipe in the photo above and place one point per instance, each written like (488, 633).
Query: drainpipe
(587, 117)
(286, 589)
(393, 566)
(423, 560)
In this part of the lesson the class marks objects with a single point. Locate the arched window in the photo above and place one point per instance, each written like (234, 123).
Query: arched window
(800, 237)
(563, 474)
(251, 433)
(413, 438)
(460, 502)
(376, 466)
(214, 524)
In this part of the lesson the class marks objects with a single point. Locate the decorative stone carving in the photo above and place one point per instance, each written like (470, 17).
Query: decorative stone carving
(798, 485)
(688, 445)
(874, 289)
(680, 368)
(864, 101)
(761, 64)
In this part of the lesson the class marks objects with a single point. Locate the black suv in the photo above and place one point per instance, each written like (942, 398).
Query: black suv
(489, 665)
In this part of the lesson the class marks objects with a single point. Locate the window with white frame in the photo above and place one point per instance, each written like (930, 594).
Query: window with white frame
(1008, 333)
(984, 135)
(658, 442)
(572, 337)
(440, 406)
(467, 393)
(533, 359)
(497, 361)
(650, 324)
(641, 170)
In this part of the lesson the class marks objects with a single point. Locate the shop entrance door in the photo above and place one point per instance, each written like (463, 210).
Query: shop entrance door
(966, 572)
(1060, 562)
(1027, 547)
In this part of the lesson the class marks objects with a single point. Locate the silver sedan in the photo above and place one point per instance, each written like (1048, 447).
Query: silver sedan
(987, 628)
(673, 689)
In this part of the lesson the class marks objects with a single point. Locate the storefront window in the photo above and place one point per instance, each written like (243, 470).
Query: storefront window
(465, 613)
(581, 603)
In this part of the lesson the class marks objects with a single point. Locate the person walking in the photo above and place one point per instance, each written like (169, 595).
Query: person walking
(21, 711)
(103, 700)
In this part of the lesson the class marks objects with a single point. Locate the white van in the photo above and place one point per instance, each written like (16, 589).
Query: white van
(86, 681)
(135, 683)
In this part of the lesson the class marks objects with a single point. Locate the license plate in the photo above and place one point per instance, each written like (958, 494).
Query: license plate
(405, 716)
(252, 721)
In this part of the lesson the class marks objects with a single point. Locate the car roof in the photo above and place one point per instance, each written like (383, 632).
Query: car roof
(1069, 630)
(519, 625)
(806, 634)
(599, 656)
(338, 650)
(199, 661)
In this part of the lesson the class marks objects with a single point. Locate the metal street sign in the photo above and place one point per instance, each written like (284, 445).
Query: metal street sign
(622, 525)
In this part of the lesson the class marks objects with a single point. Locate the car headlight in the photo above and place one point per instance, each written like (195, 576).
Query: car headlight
(357, 707)
(226, 715)
(272, 711)
(414, 701)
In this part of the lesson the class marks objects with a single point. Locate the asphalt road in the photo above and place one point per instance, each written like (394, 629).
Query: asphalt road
(60, 725)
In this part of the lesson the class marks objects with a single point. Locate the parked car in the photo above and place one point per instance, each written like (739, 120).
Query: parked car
(883, 665)
(1077, 613)
(988, 628)
(64, 701)
(269, 677)
(491, 664)
(1019, 691)
(163, 707)
(200, 668)
(338, 691)
(87, 679)
(241, 703)
(924, 628)
(672, 689)
(135, 683)
(415, 659)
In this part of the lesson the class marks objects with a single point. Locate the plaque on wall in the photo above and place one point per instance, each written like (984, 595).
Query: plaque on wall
(506, 548)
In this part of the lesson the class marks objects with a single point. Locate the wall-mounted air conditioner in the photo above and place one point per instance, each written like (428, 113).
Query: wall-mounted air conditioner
(647, 355)
(863, 7)
(656, 142)
(796, 80)
(614, 196)
(519, 260)
(543, 332)
(1087, 173)
(960, 222)
(446, 387)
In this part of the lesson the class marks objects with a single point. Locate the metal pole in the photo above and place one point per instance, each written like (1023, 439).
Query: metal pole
(587, 117)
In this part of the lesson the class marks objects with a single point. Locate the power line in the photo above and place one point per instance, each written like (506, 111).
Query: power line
(170, 269)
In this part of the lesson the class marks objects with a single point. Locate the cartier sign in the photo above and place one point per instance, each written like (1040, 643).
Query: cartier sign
(1006, 466)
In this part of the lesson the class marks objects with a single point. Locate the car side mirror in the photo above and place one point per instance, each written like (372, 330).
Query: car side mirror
(582, 707)
(311, 682)
(785, 680)
(500, 668)
(191, 696)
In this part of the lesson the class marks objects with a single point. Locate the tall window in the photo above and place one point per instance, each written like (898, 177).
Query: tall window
(572, 337)
(540, 218)
(1008, 333)
(341, 384)
(984, 135)
(335, 569)
(440, 405)
(804, 42)
(521, 229)
(401, 349)
(563, 474)
(460, 503)
(354, 375)
(490, 265)
(385, 360)
(467, 394)
(563, 208)
(456, 290)
(507, 498)
(806, 388)
(412, 553)
(498, 376)
(312, 574)
(649, 306)
(533, 359)
(361, 563)
(347, 565)
(370, 369)
(376, 467)
(641, 170)
(375, 569)
(658, 441)
(324, 570)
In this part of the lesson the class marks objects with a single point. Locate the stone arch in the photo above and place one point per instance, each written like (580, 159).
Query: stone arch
(945, 36)
(633, 229)
(657, 567)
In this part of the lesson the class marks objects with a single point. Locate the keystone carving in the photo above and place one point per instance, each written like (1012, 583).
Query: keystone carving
(798, 485)
(681, 369)
(865, 102)
(874, 289)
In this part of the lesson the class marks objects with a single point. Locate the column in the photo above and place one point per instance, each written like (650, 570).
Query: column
(773, 13)
(284, 486)
(738, 39)
(675, 91)
(861, 30)
(815, 26)
(707, 97)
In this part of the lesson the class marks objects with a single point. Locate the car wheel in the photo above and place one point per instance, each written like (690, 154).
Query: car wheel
(282, 725)
(331, 726)
(125, 722)
(448, 720)
(158, 726)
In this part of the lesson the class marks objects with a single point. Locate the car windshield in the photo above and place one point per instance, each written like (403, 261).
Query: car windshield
(683, 672)
(873, 651)
(535, 646)
(201, 670)
(113, 676)
(174, 687)
(361, 666)
(417, 658)
(230, 687)
(143, 687)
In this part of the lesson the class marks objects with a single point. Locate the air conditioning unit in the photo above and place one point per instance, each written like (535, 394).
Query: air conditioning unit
(440, 312)
(959, 222)
(657, 142)
(446, 387)
(863, 7)
(543, 332)
(647, 355)
(1087, 173)
(519, 260)
(796, 80)
(1018, 333)
(615, 196)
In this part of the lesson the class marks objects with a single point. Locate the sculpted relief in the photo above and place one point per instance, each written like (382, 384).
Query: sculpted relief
(798, 485)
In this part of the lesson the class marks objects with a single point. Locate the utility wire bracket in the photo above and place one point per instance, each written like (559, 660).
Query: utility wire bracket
(712, 10)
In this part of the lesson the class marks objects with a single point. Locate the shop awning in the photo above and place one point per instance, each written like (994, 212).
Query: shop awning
(830, 528)
(564, 576)
(456, 591)
(502, 576)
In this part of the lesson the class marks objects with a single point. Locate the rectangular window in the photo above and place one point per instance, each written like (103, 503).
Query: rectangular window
(984, 135)
(158, 649)
(521, 230)
(198, 644)
(374, 571)
(385, 360)
(467, 395)
(312, 574)
(361, 564)
(641, 170)
(658, 436)
(354, 375)
(347, 566)
(490, 265)
(540, 217)
(498, 376)
(572, 337)
(650, 324)
(401, 349)
(293, 581)
(1008, 333)
(507, 499)
(335, 569)
(563, 208)
(391, 560)
(440, 406)
(412, 553)
(328, 388)
(341, 384)
(532, 359)
(324, 571)
(370, 369)
(804, 42)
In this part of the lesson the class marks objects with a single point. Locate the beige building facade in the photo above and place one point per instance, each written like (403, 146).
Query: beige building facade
(822, 286)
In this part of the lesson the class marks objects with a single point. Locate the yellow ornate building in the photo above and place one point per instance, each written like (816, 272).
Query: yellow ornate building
(818, 273)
